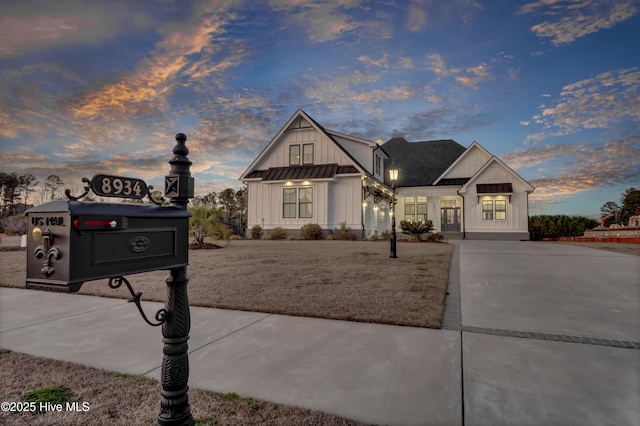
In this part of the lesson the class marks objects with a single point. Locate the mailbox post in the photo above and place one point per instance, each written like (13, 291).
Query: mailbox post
(73, 242)
(174, 402)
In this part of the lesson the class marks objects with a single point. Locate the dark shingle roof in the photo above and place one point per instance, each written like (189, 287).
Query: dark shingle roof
(420, 163)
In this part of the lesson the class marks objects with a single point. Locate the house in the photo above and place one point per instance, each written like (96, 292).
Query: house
(309, 174)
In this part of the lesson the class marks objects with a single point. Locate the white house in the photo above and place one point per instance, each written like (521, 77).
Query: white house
(309, 174)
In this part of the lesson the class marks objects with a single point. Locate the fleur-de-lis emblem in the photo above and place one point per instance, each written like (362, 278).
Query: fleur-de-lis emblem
(49, 252)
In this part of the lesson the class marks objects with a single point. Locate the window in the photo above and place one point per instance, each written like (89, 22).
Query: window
(378, 164)
(487, 210)
(415, 209)
(307, 153)
(501, 210)
(297, 203)
(294, 155)
(289, 202)
(305, 206)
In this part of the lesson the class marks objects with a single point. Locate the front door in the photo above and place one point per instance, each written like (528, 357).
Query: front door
(450, 219)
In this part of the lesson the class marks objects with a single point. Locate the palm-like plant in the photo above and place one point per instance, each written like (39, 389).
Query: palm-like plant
(416, 229)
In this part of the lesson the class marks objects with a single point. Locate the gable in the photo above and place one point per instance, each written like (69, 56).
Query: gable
(301, 130)
(299, 123)
(468, 163)
(496, 177)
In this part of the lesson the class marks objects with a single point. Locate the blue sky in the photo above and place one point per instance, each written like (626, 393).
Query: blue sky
(550, 86)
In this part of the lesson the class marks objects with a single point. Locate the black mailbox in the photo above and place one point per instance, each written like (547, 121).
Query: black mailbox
(70, 242)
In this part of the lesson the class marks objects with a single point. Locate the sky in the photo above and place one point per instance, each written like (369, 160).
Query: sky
(551, 86)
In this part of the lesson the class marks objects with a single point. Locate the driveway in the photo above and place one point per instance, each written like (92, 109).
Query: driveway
(550, 334)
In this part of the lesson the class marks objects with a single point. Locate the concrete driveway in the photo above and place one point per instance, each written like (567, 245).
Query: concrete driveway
(550, 334)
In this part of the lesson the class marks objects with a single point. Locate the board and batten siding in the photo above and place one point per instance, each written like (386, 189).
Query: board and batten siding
(517, 215)
(345, 202)
(325, 150)
(266, 206)
(469, 165)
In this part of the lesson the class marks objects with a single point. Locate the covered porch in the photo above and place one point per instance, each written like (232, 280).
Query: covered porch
(443, 206)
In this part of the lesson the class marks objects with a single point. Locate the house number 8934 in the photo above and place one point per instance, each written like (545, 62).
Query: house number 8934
(116, 186)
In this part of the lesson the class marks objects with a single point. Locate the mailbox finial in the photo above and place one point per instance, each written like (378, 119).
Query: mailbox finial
(181, 148)
(179, 183)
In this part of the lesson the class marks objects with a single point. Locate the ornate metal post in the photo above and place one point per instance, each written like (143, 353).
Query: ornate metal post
(393, 177)
(174, 402)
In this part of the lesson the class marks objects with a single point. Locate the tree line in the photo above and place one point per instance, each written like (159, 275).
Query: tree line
(17, 192)
(554, 226)
(219, 214)
(620, 213)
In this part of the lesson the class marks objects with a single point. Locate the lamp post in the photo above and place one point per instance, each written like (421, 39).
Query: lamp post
(393, 177)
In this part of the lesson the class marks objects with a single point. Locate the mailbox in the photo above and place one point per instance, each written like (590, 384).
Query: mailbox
(70, 242)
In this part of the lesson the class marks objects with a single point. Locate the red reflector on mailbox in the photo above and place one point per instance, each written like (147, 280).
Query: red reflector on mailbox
(94, 223)
(98, 223)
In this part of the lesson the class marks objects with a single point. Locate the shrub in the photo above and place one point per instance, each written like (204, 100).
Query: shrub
(218, 231)
(435, 237)
(373, 238)
(291, 238)
(15, 225)
(385, 235)
(345, 232)
(278, 233)
(330, 237)
(311, 231)
(199, 233)
(415, 229)
(256, 232)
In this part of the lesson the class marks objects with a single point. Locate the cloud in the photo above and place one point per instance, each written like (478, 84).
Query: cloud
(383, 62)
(358, 87)
(524, 123)
(185, 52)
(604, 101)
(475, 75)
(417, 17)
(406, 62)
(427, 14)
(583, 168)
(33, 25)
(325, 20)
(435, 63)
(566, 21)
(470, 77)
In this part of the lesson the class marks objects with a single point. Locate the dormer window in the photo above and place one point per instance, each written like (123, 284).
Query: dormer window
(378, 164)
(307, 153)
(294, 155)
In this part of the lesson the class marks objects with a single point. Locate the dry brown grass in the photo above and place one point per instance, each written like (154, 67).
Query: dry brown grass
(347, 280)
(116, 399)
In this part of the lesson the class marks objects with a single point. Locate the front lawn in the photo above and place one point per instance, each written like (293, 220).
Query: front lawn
(347, 280)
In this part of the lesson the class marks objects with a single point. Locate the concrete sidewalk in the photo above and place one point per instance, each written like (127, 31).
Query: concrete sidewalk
(534, 334)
